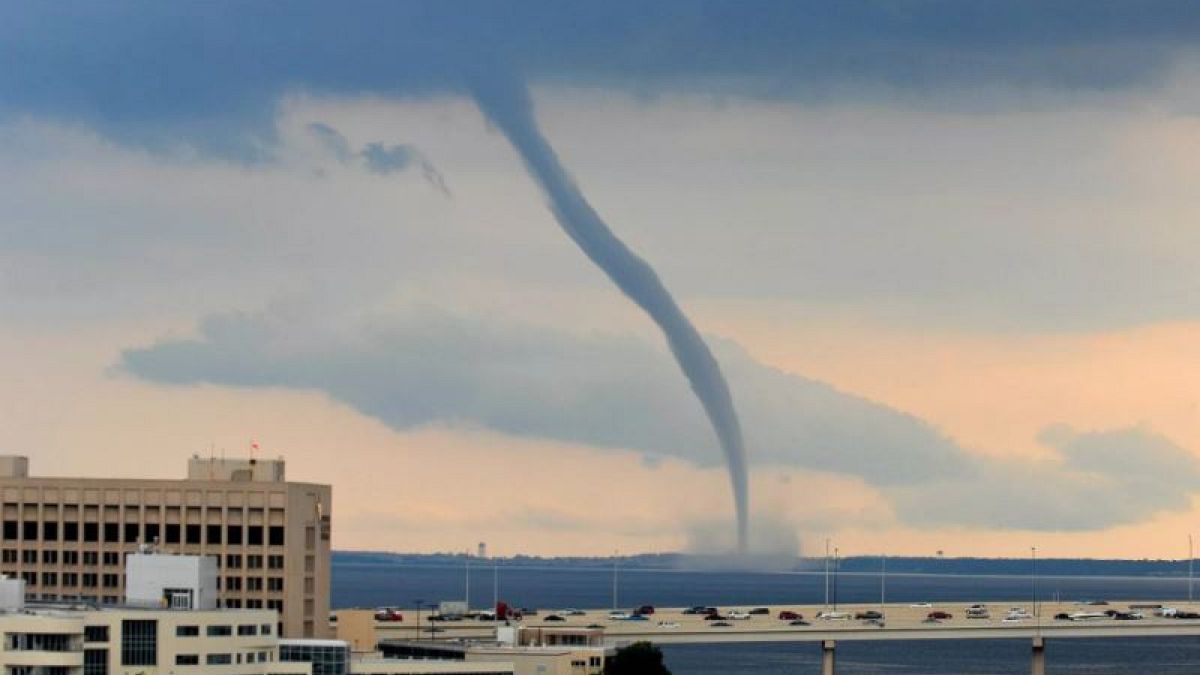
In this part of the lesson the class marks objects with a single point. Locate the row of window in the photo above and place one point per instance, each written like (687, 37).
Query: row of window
(40, 642)
(113, 558)
(222, 659)
(252, 603)
(94, 580)
(223, 630)
(132, 533)
(90, 558)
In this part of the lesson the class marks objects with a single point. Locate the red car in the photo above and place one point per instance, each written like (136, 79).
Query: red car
(789, 615)
(388, 614)
(940, 615)
(645, 610)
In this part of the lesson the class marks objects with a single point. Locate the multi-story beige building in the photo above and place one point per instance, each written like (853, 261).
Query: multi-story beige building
(67, 537)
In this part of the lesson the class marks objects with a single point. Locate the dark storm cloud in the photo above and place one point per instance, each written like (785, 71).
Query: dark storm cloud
(211, 73)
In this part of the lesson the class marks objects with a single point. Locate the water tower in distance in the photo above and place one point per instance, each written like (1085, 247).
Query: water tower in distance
(483, 549)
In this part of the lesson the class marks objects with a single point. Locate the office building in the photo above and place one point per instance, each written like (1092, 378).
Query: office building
(67, 538)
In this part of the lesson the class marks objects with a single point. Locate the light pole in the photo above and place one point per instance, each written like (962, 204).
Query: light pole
(614, 593)
(835, 577)
(826, 572)
(419, 602)
(1191, 560)
(1036, 609)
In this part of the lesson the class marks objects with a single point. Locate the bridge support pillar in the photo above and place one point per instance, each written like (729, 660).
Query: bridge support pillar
(1037, 666)
(828, 657)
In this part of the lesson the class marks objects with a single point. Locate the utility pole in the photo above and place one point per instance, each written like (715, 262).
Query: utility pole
(468, 589)
(882, 581)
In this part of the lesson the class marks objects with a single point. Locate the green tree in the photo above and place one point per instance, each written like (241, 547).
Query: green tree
(639, 658)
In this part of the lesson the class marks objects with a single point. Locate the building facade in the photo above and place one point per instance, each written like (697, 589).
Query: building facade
(68, 537)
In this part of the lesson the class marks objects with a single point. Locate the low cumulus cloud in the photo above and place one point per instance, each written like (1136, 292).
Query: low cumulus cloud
(1099, 479)
(426, 366)
(379, 158)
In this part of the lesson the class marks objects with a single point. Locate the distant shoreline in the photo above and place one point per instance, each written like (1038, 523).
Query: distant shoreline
(869, 565)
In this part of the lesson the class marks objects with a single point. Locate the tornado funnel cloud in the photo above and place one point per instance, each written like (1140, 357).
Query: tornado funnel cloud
(506, 103)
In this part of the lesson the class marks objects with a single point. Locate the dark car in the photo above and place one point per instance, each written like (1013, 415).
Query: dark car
(869, 614)
(760, 610)
(554, 617)
(940, 615)
(645, 610)
(594, 626)
(1187, 615)
(789, 615)
(1128, 616)
(714, 617)
(1096, 603)
(696, 610)
(1062, 616)
(799, 622)
(720, 624)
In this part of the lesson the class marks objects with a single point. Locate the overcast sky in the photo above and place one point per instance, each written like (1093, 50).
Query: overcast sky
(946, 254)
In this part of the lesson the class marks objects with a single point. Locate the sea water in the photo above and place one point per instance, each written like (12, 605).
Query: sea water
(378, 584)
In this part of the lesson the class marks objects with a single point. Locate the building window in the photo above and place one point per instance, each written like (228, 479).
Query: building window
(70, 557)
(233, 583)
(9, 555)
(91, 532)
(254, 535)
(10, 530)
(90, 558)
(38, 642)
(112, 558)
(310, 537)
(254, 603)
(187, 631)
(219, 631)
(29, 556)
(218, 659)
(49, 557)
(110, 599)
(89, 581)
(265, 629)
(247, 629)
(111, 580)
(132, 531)
(50, 531)
(29, 530)
(233, 535)
(49, 579)
(275, 562)
(275, 584)
(254, 562)
(95, 633)
(70, 531)
(276, 605)
(95, 662)
(112, 533)
(213, 534)
(70, 579)
(233, 603)
(254, 584)
(152, 533)
(187, 659)
(325, 659)
(139, 642)
(192, 534)
(172, 534)
(233, 562)
(275, 535)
